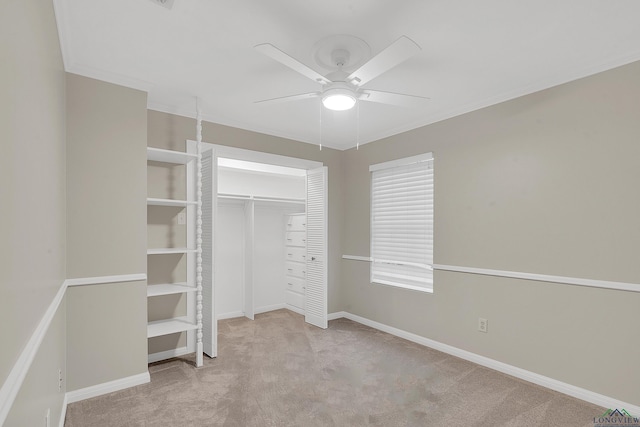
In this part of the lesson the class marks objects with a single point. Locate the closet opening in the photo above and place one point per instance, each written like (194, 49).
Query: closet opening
(268, 219)
(260, 238)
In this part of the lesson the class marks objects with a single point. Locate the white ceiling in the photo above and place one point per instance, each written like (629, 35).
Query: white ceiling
(474, 54)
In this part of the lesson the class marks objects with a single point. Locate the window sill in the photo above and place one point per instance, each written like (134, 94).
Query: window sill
(407, 287)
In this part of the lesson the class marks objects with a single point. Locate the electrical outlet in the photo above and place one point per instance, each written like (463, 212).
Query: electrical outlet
(483, 325)
(182, 218)
(59, 379)
(165, 3)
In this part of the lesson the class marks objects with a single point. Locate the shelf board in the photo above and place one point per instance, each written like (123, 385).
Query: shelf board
(169, 326)
(151, 201)
(169, 156)
(167, 251)
(168, 289)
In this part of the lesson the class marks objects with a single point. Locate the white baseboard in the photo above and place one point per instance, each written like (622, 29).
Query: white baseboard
(63, 412)
(108, 387)
(337, 315)
(14, 380)
(260, 310)
(532, 377)
(267, 308)
(294, 309)
(162, 355)
(230, 315)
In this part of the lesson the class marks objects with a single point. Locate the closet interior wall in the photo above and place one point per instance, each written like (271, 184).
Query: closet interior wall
(239, 194)
(229, 258)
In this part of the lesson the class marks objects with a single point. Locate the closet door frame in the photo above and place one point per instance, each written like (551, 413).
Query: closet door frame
(223, 151)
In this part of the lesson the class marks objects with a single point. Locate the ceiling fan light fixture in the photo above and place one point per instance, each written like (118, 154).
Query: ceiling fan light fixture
(338, 100)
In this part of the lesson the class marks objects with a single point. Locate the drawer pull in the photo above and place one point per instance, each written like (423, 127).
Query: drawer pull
(291, 269)
(290, 284)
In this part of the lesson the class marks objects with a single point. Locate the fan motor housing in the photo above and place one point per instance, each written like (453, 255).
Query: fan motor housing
(341, 52)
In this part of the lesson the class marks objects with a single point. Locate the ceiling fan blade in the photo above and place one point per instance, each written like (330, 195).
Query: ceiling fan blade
(289, 98)
(394, 54)
(393, 98)
(275, 53)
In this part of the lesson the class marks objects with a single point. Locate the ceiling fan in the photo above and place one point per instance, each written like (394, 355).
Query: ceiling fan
(341, 89)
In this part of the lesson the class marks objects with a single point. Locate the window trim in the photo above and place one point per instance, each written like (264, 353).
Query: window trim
(401, 162)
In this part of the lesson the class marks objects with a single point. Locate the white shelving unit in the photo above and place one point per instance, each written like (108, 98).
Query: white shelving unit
(169, 202)
(189, 322)
(169, 156)
(169, 289)
(168, 251)
(169, 326)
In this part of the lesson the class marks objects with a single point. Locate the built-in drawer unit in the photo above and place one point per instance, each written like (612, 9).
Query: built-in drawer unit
(296, 284)
(295, 269)
(295, 260)
(296, 254)
(296, 223)
(295, 299)
(296, 238)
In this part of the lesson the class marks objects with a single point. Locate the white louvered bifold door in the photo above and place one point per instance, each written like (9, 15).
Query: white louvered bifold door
(316, 292)
(209, 189)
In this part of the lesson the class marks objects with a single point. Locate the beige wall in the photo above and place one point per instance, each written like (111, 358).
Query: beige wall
(32, 190)
(170, 132)
(548, 184)
(106, 230)
(106, 178)
(106, 333)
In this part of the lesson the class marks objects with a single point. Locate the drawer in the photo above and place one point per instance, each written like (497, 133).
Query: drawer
(296, 238)
(296, 254)
(295, 299)
(296, 222)
(295, 269)
(296, 284)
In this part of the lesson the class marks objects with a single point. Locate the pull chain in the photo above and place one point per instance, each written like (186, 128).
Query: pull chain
(358, 126)
(320, 125)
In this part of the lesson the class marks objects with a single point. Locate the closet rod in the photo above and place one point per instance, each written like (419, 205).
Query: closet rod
(260, 198)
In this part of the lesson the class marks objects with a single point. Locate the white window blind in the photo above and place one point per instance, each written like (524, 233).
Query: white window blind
(402, 223)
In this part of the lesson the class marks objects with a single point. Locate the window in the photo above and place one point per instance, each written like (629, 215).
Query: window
(402, 223)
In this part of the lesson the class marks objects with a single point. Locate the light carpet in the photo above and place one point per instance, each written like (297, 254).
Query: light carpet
(280, 371)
